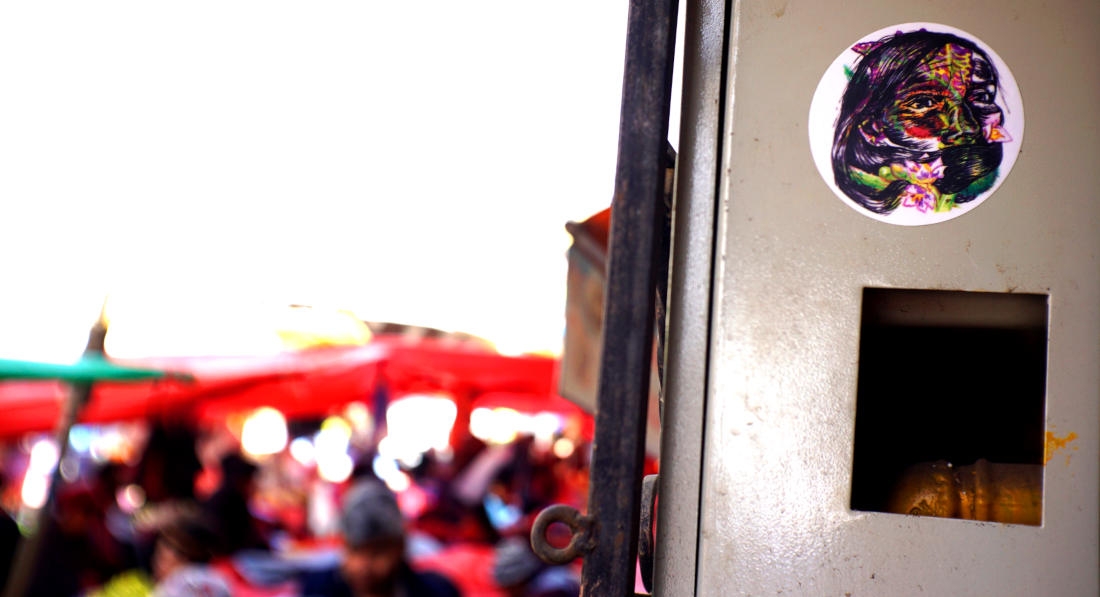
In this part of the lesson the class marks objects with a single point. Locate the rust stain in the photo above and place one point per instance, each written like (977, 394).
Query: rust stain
(1055, 443)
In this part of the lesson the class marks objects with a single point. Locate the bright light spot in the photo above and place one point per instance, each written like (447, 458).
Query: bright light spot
(384, 467)
(417, 424)
(330, 450)
(36, 482)
(359, 416)
(481, 423)
(411, 460)
(387, 470)
(130, 498)
(43, 458)
(70, 468)
(564, 448)
(264, 432)
(333, 437)
(546, 425)
(80, 438)
(399, 482)
(301, 449)
(108, 444)
(496, 426)
(334, 468)
(405, 449)
(336, 425)
(427, 418)
(35, 489)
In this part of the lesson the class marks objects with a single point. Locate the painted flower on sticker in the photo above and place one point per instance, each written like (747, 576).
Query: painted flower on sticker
(994, 132)
(921, 197)
(923, 173)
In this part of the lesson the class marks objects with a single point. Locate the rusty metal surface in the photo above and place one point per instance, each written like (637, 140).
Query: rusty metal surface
(581, 541)
(986, 491)
(639, 225)
(637, 215)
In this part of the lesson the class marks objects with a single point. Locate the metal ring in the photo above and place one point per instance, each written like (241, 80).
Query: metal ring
(582, 541)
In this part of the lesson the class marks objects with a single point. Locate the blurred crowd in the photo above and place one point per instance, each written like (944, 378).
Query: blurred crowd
(194, 515)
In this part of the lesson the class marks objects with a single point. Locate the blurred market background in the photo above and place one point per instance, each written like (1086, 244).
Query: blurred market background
(340, 228)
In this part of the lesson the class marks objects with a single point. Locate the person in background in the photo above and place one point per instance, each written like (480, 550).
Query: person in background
(9, 543)
(374, 563)
(227, 508)
(70, 561)
(169, 465)
(520, 573)
(183, 549)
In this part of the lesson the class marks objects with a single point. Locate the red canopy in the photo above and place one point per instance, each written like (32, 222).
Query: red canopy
(308, 382)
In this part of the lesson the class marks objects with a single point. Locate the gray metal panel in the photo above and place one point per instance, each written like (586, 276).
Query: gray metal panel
(689, 298)
(792, 261)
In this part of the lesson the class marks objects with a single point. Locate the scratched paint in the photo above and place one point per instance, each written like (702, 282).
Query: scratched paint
(1056, 444)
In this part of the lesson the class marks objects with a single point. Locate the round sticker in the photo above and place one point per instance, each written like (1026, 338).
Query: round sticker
(916, 124)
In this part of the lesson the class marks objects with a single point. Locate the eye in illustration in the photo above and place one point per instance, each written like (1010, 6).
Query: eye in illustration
(922, 103)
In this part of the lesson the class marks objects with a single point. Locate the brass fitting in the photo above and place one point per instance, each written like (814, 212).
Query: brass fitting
(1008, 493)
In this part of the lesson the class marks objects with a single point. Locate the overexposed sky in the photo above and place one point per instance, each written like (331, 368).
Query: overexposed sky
(412, 162)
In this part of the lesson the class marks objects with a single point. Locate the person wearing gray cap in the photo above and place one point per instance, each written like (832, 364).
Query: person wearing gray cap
(374, 562)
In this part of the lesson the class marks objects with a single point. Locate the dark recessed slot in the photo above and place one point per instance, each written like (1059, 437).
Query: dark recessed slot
(951, 377)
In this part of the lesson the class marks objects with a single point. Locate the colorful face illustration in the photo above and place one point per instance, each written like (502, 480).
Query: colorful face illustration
(949, 101)
(920, 126)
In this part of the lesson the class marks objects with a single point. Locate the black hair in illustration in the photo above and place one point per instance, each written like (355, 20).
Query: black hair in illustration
(919, 125)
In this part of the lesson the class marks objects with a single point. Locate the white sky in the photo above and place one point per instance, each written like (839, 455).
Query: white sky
(412, 162)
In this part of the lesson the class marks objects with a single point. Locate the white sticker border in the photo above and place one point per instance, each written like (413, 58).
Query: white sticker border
(825, 109)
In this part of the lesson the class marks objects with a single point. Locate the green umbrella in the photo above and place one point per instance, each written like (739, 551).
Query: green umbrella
(90, 368)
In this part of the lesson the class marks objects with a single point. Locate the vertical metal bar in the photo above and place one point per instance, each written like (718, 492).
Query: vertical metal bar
(684, 386)
(636, 214)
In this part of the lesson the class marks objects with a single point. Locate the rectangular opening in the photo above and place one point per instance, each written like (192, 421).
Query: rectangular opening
(950, 404)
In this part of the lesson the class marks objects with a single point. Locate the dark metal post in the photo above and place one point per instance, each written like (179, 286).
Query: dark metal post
(637, 213)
